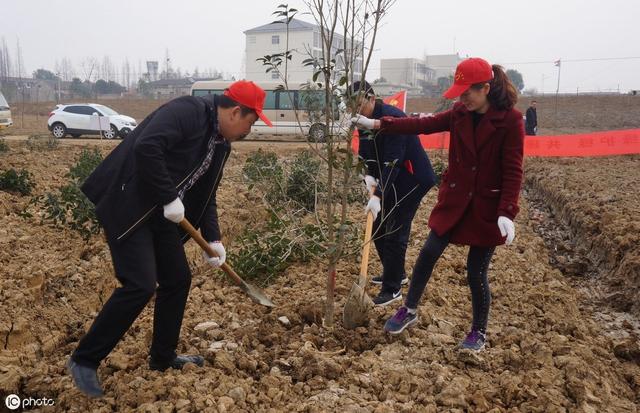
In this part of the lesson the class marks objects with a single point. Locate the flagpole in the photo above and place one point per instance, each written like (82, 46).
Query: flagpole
(559, 64)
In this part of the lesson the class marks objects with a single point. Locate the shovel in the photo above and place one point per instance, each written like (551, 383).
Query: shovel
(256, 294)
(358, 304)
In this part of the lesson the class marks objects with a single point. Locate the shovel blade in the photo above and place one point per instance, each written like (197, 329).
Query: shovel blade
(257, 295)
(356, 308)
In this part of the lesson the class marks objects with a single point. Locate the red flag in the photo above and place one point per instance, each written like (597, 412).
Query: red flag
(398, 100)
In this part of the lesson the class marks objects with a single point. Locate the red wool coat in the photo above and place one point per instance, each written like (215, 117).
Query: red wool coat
(484, 175)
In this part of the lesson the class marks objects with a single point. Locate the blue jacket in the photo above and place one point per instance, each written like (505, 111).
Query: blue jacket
(399, 162)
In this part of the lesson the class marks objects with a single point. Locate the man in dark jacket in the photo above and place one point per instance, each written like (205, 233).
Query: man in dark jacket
(531, 125)
(401, 173)
(167, 169)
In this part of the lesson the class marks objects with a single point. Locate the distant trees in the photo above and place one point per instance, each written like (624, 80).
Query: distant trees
(444, 83)
(80, 88)
(516, 79)
(108, 87)
(44, 74)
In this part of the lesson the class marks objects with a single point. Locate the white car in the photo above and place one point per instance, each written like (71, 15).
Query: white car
(84, 119)
(5, 113)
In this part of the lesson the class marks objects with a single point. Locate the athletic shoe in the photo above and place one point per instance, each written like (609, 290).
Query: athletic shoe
(401, 320)
(474, 341)
(386, 298)
(378, 280)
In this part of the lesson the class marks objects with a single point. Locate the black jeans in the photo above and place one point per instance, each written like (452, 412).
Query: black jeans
(152, 255)
(477, 266)
(391, 231)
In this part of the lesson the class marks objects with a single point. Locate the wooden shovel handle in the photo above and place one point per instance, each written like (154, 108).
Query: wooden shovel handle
(193, 233)
(364, 263)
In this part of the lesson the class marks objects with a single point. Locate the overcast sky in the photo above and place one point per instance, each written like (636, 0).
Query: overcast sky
(208, 33)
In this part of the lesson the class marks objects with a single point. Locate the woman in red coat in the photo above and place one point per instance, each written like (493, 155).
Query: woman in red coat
(478, 195)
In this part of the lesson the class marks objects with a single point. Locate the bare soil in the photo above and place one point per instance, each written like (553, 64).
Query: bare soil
(549, 349)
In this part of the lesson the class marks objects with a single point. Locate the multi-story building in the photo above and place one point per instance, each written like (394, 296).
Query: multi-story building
(304, 43)
(418, 72)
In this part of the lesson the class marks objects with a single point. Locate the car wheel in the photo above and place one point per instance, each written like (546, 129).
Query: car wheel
(124, 132)
(111, 133)
(58, 130)
(316, 133)
(75, 135)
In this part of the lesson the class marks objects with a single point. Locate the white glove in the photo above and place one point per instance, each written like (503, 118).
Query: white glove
(362, 122)
(218, 248)
(370, 182)
(374, 206)
(174, 211)
(507, 229)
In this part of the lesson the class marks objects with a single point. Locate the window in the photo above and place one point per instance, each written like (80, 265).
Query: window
(275, 39)
(105, 110)
(205, 92)
(270, 100)
(74, 109)
(316, 39)
(88, 110)
(251, 39)
(275, 75)
(285, 100)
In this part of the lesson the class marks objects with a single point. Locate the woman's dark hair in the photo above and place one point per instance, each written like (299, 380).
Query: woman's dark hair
(226, 102)
(502, 94)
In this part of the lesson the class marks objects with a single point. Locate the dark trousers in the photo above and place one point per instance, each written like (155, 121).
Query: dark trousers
(391, 231)
(530, 130)
(477, 267)
(151, 261)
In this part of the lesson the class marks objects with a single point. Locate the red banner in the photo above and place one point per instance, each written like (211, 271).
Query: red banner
(615, 142)
(608, 143)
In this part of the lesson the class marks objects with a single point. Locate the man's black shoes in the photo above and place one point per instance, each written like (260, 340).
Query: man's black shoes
(85, 379)
(177, 363)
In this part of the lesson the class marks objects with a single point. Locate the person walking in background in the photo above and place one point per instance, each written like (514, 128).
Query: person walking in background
(478, 195)
(532, 119)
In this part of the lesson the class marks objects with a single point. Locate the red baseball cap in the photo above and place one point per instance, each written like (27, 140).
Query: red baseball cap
(469, 72)
(250, 95)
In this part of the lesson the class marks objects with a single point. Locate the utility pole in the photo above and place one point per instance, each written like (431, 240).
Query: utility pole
(558, 64)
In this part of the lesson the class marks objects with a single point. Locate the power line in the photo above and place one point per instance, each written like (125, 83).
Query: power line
(573, 60)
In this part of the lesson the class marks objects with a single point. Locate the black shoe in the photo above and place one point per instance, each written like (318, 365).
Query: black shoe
(177, 363)
(378, 280)
(85, 379)
(385, 298)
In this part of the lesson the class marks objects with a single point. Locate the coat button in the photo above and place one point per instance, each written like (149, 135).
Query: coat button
(510, 207)
(452, 185)
(473, 168)
(470, 194)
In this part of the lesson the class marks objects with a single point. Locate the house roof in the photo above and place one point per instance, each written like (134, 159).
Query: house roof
(294, 25)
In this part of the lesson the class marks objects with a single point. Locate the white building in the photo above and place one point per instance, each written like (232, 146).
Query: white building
(412, 72)
(418, 72)
(444, 65)
(304, 42)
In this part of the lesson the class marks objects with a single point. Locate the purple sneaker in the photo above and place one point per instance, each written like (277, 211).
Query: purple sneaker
(474, 341)
(401, 320)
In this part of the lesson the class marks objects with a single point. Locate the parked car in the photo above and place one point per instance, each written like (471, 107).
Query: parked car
(83, 119)
(5, 113)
